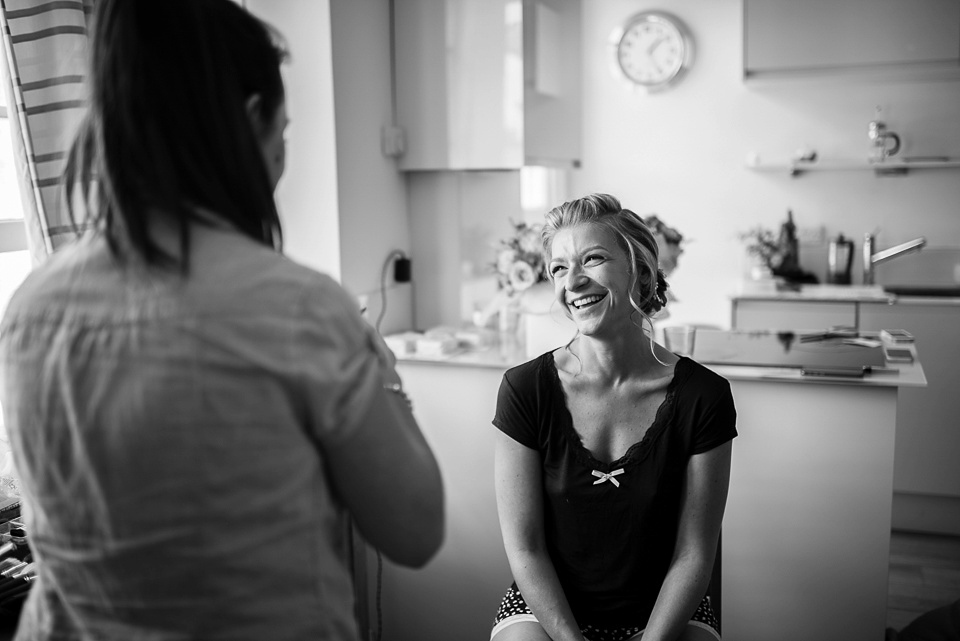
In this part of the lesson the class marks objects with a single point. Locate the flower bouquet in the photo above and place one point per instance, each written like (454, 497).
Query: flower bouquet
(764, 245)
(518, 267)
(779, 253)
(519, 263)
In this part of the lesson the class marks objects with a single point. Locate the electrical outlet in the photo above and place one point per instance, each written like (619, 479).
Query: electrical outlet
(401, 270)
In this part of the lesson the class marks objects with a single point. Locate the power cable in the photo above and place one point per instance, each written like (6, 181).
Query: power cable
(395, 254)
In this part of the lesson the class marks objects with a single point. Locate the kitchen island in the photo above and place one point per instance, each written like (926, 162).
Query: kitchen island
(926, 477)
(806, 533)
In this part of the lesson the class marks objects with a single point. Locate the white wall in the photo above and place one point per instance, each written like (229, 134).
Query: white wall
(342, 202)
(681, 153)
(372, 192)
(457, 218)
(307, 193)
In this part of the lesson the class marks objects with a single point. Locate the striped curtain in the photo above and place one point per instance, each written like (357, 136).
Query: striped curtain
(44, 62)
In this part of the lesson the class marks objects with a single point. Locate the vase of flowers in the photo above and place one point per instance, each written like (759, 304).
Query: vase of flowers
(778, 254)
(518, 267)
(519, 264)
(764, 246)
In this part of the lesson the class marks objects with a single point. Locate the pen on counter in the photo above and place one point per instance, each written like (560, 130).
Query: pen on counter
(847, 372)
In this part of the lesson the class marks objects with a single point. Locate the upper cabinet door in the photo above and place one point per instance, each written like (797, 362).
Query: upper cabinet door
(488, 84)
(893, 38)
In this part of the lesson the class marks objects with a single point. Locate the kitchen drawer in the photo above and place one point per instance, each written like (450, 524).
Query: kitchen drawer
(783, 315)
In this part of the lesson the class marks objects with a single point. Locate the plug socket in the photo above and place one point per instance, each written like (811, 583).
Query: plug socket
(401, 270)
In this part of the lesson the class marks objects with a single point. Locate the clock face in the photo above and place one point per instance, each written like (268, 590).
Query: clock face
(652, 49)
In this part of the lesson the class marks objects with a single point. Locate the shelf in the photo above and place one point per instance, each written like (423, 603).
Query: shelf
(890, 167)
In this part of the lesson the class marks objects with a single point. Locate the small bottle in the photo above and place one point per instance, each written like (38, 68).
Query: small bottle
(789, 246)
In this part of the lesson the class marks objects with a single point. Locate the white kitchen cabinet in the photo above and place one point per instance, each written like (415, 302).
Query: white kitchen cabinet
(782, 315)
(882, 38)
(928, 440)
(488, 84)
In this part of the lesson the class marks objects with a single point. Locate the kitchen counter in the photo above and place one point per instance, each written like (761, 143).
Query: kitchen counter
(838, 293)
(806, 531)
(783, 356)
(851, 293)
(811, 481)
(926, 477)
(501, 356)
(498, 356)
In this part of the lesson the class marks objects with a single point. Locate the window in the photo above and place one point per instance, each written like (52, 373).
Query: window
(14, 266)
(14, 257)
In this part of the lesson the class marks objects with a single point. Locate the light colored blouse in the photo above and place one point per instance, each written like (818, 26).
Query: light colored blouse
(169, 434)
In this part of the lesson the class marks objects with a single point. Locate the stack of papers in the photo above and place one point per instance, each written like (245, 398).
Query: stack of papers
(403, 344)
(422, 345)
(896, 335)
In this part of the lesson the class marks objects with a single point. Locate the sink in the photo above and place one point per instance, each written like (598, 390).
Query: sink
(933, 272)
(925, 291)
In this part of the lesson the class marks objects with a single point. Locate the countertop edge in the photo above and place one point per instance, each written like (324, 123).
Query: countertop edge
(502, 359)
(891, 299)
(910, 376)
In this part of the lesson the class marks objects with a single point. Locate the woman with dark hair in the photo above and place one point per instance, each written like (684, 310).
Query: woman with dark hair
(613, 454)
(194, 416)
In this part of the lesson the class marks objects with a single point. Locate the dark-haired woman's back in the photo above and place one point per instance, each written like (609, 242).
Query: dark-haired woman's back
(185, 495)
(193, 415)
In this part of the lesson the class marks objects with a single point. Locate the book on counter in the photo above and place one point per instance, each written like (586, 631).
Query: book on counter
(896, 335)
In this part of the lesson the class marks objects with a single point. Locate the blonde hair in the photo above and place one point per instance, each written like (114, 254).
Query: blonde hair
(648, 286)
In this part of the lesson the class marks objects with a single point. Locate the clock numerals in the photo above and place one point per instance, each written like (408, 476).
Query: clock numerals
(652, 49)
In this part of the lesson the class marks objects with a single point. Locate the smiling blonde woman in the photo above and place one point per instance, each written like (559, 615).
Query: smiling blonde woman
(613, 454)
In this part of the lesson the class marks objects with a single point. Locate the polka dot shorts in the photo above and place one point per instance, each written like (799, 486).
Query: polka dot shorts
(513, 609)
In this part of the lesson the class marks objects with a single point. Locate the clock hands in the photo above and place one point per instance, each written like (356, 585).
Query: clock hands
(651, 49)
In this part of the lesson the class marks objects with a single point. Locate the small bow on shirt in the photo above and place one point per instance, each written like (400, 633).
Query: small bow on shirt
(602, 476)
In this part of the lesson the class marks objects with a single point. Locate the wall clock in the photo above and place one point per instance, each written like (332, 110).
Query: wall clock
(652, 49)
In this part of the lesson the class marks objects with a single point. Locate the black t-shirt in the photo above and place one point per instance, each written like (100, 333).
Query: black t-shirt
(611, 543)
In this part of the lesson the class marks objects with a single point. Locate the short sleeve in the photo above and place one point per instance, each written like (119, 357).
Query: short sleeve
(339, 368)
(717, 423)
(516, 414)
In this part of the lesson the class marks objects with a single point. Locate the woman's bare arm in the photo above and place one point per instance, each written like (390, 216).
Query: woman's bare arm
(519, 488)
(701, 514)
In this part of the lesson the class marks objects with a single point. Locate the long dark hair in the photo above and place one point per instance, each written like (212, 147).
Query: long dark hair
(167, 129)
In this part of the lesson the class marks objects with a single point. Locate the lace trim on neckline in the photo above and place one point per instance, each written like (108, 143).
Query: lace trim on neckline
(637, 451)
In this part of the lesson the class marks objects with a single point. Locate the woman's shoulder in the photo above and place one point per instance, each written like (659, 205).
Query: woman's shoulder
(531, 370)
(227, 257)
(49, 285)
(695, 377)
